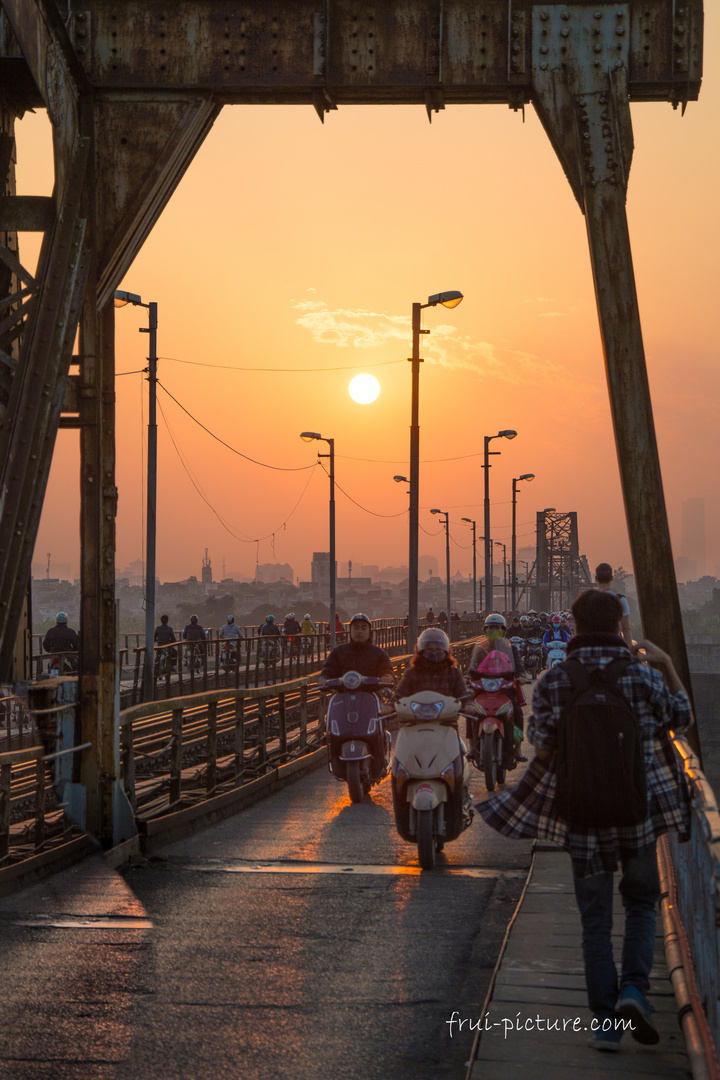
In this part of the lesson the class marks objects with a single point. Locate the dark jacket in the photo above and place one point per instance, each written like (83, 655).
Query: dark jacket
(365, 658)
(194, 632)
(60, 638)
(164, 634)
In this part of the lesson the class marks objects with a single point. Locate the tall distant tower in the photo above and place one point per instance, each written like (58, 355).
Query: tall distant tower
(206, 569)
(693, 533)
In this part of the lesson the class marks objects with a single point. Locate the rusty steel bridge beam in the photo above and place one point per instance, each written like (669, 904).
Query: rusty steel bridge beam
(141, 82)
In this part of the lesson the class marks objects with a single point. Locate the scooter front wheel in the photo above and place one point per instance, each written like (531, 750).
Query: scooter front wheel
(489, 760)
(354, 783)
(425, 839)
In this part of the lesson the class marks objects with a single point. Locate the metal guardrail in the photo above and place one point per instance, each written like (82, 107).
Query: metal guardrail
(186, 667)
(697, 879)
(175, 752)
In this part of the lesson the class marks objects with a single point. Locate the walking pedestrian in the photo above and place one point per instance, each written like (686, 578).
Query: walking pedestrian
(659, 704)
(603, 582)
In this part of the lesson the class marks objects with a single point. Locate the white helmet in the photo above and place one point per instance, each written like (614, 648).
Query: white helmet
(433, 638)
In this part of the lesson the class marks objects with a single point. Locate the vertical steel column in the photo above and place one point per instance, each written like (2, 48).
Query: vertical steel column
(150, 539)
(100, 764)
(581, 58)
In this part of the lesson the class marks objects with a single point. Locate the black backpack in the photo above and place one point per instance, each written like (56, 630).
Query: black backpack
(600, 762)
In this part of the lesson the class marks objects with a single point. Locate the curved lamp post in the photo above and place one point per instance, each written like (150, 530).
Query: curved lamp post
(450, 300)
(513, 552)
(508, 433)
(308, 436)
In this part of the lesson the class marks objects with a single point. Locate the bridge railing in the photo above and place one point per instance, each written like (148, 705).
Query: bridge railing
(696, 867)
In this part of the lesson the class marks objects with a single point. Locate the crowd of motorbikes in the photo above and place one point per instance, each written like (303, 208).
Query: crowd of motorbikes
(430, 767)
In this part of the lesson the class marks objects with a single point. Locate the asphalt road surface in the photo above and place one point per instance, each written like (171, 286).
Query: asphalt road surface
(296, 941)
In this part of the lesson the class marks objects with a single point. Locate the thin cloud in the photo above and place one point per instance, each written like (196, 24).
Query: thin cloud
(445, 346)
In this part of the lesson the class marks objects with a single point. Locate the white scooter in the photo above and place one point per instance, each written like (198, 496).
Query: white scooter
(430, 774)
(556, 652)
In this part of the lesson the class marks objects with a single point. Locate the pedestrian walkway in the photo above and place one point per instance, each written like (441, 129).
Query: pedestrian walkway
(540, 986)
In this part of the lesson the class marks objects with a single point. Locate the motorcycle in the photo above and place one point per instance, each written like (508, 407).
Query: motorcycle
(556, 651)
(494, 707)
(430, 774)
(268, 650)
(358, 744)
(229, 653)
(534, 657)
(63, 663)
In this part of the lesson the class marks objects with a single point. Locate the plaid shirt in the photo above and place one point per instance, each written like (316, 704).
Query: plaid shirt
(528, 810)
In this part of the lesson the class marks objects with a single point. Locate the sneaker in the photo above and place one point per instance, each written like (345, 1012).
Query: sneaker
(519, 756)
(633, 1006)
(606, 1040)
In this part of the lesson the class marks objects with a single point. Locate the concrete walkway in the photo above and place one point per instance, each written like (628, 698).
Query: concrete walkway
(541, 976)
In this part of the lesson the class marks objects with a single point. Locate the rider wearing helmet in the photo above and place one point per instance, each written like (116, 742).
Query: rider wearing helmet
(358, 654)
(230, 630)
(307, 626)
(495, 627)
(194, 631)
(291, 625)
(60, 637)
(269, 628)
(555, 633)
(433, 667)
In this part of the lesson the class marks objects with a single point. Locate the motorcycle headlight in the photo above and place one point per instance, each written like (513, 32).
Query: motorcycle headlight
(424, 710)
(491, 685)
(351, 680)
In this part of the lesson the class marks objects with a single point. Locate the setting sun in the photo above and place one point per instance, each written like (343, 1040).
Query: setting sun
(364, 389)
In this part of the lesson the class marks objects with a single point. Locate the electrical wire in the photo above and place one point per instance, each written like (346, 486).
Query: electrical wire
(374, 514)
(225, 525)
(297, 371)
(276, 468)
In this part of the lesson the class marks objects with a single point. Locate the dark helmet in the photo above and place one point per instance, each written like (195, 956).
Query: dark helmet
(193, 618)
(270, 618)
(360, 617)
(61, 617)
(230, 619)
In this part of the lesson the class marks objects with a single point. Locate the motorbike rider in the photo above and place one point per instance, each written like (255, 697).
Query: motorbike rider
(61, 638)
(555, 633)
(291, 625)
(307, 626)
(231, 631)
(430, 616)
(495, 627)
(195, 632)
(164, 633)
(269, 628)
(358, 654)
(433, 667)
(515, 629)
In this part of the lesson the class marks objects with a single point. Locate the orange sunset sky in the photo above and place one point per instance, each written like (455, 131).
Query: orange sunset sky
(287, 262)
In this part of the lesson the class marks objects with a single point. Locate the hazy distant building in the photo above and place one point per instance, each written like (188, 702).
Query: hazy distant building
(685, 569)
(320, 568)
(274, 572)
(692, 528)
(427, 566)
(206, 570)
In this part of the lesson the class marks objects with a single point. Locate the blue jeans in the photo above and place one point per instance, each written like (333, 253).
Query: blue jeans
(640, 892)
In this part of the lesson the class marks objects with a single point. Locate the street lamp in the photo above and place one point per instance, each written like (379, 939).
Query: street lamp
(308, 436)
(450, 300)
(508, 433)
(474, 542)
(513, 552)
(122, 298)
(499, 543)
(446, 523)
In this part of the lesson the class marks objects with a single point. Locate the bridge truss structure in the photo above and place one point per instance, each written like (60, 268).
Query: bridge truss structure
(132, 89)
(561, 573)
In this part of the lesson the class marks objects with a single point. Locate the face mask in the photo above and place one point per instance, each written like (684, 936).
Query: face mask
(435, 656)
